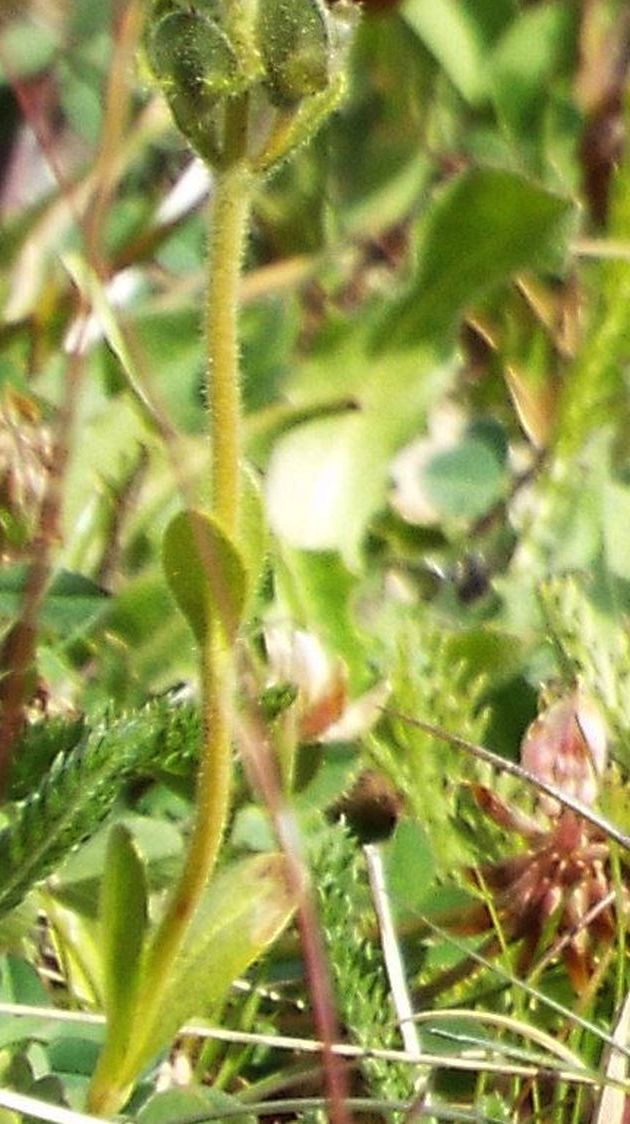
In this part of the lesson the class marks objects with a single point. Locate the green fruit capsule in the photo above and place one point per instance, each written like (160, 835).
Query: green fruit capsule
(196, 66)
(294, 43)
(208, 9)
(191, 54)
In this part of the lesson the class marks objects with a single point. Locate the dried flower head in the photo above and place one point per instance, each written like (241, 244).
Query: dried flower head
(559, 890)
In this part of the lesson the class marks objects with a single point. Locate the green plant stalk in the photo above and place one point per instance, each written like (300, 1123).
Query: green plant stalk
(230, 216)
(229, 229)
(212, 803)
(230, 219)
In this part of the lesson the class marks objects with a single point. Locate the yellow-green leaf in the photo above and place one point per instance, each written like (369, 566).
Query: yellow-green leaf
(123, 919)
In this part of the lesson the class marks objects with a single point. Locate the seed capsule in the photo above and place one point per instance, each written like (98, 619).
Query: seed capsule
(190, 53)
(295, 46)
(195, 64)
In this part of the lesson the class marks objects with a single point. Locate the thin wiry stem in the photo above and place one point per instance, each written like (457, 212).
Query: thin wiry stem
(391, 951)
(574, 1074)
(515, 770)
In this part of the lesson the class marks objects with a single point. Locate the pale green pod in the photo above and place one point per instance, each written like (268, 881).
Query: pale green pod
(294, 42)
(161, 8)
(195, 65)
(191, 52)
(208, 9)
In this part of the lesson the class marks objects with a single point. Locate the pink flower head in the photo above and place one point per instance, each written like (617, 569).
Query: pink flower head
(567, 746)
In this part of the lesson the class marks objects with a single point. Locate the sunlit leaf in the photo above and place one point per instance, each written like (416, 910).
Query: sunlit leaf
(525, 57)
(483, 227)
(76, 884)
(449, 30)
(328, 477)
(244, 909)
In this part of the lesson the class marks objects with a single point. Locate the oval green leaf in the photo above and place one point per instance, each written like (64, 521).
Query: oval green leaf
(465, 481)
(483, 227)
(244, 909)
(205, 571)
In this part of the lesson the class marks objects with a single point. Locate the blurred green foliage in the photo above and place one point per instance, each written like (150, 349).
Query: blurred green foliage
(435, 351)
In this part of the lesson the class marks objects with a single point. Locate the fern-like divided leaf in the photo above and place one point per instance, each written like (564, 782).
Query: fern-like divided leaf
(40, 743)
(431, 685)
(592, 649)
(359, 971)
(82, 786)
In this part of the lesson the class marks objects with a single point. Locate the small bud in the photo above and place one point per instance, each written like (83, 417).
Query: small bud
(295, 46)
(567, 747)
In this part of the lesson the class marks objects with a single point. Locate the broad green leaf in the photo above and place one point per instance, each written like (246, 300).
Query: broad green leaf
(327, 478)
(483, 227)
(75, 1054)
(252, 830)
(525, 58)
(245, 907)
(322, 484)
(205, 571)
(29, 46)
(448, 29)
(465, 481)
(20, 983)
(410, 864)
(72, 602)
(123, 919)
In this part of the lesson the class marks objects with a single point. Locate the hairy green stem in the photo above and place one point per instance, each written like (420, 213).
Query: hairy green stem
(230, 214)
(230, 218)
(229, 228)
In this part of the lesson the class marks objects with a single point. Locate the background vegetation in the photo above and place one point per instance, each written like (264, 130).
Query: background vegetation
(434, 347)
